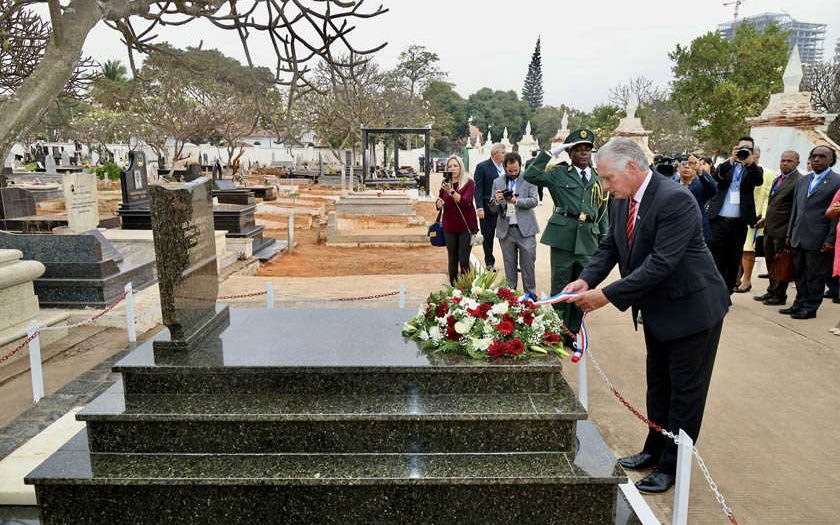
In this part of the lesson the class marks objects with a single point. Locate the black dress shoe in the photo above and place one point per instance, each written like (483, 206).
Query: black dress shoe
(789, 310)
(761, 298)
(775, 301)
(640, 461)
(656, 482)
(764, 276)
(829, 295)
(802, 314)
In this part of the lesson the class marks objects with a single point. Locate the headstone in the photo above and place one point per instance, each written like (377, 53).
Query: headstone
(65, 157)
(185, 249)
(49, 164)
(80, 201)
(16, 202)
(134, 181)
(193, 172)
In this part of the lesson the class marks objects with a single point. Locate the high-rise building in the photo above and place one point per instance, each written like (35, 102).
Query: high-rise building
(808, 36)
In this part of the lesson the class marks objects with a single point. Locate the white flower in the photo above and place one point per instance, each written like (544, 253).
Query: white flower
(464, 326)
(499, 308)
(423, 335)
(434, 334)
(470, 303)
(477, 290)
(456, 293)
(482, 344)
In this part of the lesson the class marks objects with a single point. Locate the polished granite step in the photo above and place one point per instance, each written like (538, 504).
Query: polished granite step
(247, 423)
(75, 486)
(340, 351)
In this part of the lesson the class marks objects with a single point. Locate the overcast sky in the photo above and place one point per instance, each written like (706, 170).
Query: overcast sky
(587, 46)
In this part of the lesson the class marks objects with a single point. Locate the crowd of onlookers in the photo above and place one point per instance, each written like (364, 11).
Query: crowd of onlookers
(788, 217)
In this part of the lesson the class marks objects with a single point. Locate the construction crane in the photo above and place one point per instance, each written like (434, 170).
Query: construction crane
(737, 4)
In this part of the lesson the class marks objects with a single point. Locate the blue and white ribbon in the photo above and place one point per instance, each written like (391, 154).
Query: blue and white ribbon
(581, 342)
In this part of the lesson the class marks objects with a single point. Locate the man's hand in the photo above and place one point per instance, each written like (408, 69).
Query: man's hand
(499, 196)
(512, 200)
(578, 286)
(750, 160)
(480, 213)
(827, 247)
(760, 223)
(590, 300)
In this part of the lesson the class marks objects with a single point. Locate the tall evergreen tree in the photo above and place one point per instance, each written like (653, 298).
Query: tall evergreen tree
(532, 92)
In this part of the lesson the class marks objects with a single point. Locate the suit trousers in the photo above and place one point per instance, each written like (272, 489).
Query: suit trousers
(522, 252)
(565, 268)
(812, 269)
(488, 230)
(772, 246)
(458, 249)
(727, 247)
(678, 376)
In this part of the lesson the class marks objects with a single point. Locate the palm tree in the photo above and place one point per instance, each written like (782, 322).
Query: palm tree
(114, 70)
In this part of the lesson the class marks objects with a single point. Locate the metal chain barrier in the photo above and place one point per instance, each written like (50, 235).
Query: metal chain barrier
(241, 296)
(658, 428)
(303, 298)
(90, 320)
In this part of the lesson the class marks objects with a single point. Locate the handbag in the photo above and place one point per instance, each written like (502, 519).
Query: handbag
(781, 270)
(476, 237)
(435, 231)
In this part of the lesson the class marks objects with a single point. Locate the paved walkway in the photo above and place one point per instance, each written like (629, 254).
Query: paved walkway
(769, 433)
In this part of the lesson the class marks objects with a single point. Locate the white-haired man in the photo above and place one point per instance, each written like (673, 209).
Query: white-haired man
(667, 273)
(485, 173)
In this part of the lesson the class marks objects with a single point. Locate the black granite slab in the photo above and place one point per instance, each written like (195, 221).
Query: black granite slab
(267, 351)
(16, 202)
(134, 181)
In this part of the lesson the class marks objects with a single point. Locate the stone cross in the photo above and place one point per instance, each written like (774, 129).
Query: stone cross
(185, 250)
(632, 106)
(792, 77)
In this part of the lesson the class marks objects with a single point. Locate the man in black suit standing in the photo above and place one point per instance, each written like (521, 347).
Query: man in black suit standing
(484, 175)
(775, 223)
(812, 234)
(668, 274)
(732, 209)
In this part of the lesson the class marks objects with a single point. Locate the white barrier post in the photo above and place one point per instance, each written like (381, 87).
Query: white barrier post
(683, 486)
(583, 382)
(402, 296)
(129, 313)
(35, 362)
(291, 227)
(269, 295)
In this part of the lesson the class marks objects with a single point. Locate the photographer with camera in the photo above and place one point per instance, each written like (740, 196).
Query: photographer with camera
(455, 198)
(732, 209)
(690, 173)
(514, 200)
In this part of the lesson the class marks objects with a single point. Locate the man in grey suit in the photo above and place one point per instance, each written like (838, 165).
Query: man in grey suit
(667, 273)
(811, 234)
(513, 201)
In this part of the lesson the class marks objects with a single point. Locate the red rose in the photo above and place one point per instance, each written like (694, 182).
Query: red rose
(516, 347)
(527, 317)
(505, 294)
(505, 328)
(497, 348)
(452, 334)
(485, 307)
(552, 338)
(456, 300)
(477, 313)
(442, 309)
(508, 318)
(450, 321)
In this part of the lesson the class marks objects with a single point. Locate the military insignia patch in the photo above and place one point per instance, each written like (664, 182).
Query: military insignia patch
(583, 133)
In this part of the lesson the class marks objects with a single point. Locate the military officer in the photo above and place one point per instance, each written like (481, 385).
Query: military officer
(579, 221)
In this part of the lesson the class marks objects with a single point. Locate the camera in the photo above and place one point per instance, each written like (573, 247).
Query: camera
(743, 154)
(447, 176)
(507, 194)
(664, 164)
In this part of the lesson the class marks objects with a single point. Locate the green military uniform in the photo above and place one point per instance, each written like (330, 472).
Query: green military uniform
(578, 223)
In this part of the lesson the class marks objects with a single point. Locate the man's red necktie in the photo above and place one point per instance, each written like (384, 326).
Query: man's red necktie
(631, 222)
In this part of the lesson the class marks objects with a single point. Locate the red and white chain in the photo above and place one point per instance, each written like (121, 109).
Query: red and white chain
(675, 438)
(296, 298)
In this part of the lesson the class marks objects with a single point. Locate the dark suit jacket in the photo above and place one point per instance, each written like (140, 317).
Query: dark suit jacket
(753, 176)
(668, 273)
(809, 228)
(484, 175)
(780, 206)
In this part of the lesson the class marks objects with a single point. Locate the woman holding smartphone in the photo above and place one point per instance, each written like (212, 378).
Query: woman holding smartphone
(459, 219)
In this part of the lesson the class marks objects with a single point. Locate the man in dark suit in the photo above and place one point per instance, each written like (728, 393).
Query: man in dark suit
(732, 209)
(775, 223)
(812, 234)
(485, 173)
(668, 274)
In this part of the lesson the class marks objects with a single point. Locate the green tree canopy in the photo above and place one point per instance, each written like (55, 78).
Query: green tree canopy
(547, 120)
(494, 110)
(448, 109)
(418, 66)
(602, 120)
(719, 82)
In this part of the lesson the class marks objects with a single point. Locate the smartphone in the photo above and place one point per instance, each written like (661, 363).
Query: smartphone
(447, 176)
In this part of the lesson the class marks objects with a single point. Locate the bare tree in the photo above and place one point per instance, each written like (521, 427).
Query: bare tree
(300, 32)
(643, 89)
(822, 79)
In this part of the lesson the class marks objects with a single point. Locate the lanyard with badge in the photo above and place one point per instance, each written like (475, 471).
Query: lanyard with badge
(511, 209)
(735, 187)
